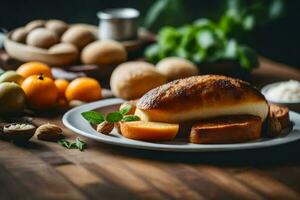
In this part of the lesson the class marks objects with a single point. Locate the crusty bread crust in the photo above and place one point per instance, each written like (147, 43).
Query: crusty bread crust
(278, 120)
(207, 94)
(281, 113)
(231, 129)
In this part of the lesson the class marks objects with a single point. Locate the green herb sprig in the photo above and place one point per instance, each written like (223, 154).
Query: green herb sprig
(117, 116)
(78, 144)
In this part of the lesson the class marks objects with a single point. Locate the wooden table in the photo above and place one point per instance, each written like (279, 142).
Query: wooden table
(45, 170)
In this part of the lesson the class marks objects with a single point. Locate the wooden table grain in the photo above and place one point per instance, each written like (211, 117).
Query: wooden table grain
(45, 170)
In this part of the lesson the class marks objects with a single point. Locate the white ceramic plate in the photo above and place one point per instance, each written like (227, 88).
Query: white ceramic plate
(74, 121)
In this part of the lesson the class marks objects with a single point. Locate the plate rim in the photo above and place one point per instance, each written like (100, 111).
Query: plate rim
(166, 147)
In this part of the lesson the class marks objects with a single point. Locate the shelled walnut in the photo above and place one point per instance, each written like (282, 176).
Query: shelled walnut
(18, 132)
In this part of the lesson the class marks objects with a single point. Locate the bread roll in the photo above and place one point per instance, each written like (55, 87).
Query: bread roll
(57, 26)
(104, 52)
(78, 35)
(201, 97)
(223, 130)
(39, 23)
(131, 80)
(175, 68)
(42, 37)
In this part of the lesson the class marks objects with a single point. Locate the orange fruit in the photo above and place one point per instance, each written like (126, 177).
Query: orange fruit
(61, 85)
(34, 68)
(84, 89)
(40, 91)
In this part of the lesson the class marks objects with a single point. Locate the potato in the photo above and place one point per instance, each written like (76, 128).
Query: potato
(41, 37)
(104, 53)
(39, 23)
(58, 26)
(19, 35)
(149, 131)
(78, 35)
(175, 68)
(133, 79)
(63, 48)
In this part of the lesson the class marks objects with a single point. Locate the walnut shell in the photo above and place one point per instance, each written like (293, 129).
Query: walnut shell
(18, 132)
(49, 132)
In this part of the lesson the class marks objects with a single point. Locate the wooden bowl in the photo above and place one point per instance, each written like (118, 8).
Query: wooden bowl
(27, 53)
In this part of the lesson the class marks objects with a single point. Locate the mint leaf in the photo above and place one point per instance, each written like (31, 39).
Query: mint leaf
(129, 118)
(93, 117)
(64, 143)
(126, 109)
(78, 144)
(114, 117)
(81, 145)
(73, 146)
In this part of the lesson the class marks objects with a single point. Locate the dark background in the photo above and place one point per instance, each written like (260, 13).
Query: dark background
(278, 40)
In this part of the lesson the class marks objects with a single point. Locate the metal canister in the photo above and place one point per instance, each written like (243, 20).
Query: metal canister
(118, 24)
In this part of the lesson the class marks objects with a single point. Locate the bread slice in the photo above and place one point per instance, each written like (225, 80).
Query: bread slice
(278, 119)
(201, 97)
(230, 129)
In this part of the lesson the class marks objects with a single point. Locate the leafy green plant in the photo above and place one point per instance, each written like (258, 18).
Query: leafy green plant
(207, 41)
(165, 12)
(202, 41)
(240, 17)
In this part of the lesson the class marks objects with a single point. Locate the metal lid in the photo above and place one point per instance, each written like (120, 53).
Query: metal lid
(118, 13)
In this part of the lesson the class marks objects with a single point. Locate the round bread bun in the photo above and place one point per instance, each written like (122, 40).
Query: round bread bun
(175, 68)
(131, 80)
(19, 35)
(201, 97)
(63, 48)
(42, 37)
(78, 35)
(39, 23)
(58, 26)
(104, 53)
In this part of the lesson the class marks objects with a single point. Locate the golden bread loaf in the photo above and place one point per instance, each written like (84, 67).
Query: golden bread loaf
(201, 97)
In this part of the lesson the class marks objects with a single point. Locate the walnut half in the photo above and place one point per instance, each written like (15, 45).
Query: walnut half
(18, 132)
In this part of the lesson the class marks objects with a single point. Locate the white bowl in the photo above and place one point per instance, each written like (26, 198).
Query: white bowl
(292, 105)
